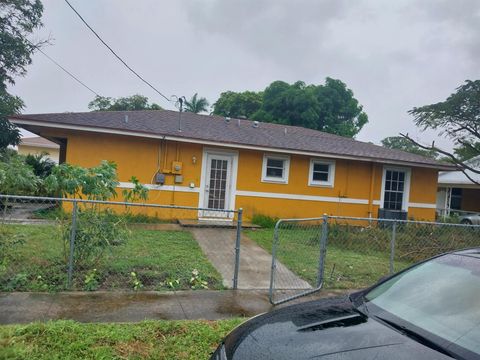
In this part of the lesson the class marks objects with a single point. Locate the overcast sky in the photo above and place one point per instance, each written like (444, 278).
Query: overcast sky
(394, 55)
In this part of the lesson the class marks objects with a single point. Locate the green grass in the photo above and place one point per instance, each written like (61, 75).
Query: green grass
(146, 340)
(346, 267)
(55, 213)
(156, 257)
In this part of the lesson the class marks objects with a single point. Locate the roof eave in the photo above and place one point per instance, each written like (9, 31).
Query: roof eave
(105, 130)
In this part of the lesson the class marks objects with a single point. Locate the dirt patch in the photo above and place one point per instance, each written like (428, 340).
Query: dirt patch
(136, 348)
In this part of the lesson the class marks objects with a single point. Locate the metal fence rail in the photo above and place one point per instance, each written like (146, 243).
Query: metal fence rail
(339, 252)
(54, 244)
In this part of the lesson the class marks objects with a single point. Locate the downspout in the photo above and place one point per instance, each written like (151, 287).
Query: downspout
(177, 151)
(165, 145)
(372, 186)
(159, 160)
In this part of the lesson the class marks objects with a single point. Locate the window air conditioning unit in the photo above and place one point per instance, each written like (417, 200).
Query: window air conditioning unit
(392, 214)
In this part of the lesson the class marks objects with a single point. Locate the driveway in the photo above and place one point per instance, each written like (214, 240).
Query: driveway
(218, 244)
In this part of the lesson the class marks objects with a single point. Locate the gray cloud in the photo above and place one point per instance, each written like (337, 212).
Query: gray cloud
(394, 55)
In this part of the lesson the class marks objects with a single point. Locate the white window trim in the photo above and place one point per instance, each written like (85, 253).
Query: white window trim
(406, 190)
(331, 173)
(286, 169)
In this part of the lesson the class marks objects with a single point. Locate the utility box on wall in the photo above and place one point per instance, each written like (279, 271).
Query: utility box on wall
(177, 167)
(160, 178)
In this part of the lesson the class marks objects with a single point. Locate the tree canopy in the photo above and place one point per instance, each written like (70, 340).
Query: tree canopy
(330, 107)
(196, 104)
(401, 143)
(458, 119)
(241, 104)
(129, 103)
(18, 19)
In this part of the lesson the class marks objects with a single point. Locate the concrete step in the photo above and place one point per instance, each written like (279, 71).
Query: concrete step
(194, 223)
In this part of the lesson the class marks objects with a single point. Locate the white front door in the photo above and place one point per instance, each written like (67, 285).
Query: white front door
(217, 185)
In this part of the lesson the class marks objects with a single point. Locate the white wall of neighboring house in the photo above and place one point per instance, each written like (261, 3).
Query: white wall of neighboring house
(448, 180)
(37, 145)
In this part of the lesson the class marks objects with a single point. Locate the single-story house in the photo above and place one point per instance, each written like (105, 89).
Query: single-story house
(270, 169)
(457, 193)
(36, 145)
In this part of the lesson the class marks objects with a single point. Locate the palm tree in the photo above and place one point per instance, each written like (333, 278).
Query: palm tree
(196, 104)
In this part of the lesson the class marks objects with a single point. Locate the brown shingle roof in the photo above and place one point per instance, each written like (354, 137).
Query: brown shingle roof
(39, 142)
(235, 131)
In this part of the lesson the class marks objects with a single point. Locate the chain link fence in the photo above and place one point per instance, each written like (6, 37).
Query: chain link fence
(335, 252)
(53, 244)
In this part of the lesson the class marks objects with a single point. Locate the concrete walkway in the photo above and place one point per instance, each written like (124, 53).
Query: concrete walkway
(255, 263)
(17, 308)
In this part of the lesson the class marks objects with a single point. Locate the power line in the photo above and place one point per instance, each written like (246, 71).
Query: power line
(65, 70)
(114, 53)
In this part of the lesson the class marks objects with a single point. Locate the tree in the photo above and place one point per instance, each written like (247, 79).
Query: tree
(243, 104)
(400, 143)
(458, 119)
(9, 133)
(330, 107)
(41, 164)
(95, 183)
(464, 153)
(196, 105)
(18, 19)
(130, 103)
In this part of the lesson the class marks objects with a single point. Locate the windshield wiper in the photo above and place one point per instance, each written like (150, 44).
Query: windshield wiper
(416, 336)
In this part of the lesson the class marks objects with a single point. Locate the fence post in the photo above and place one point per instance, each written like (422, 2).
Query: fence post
(323, 250)
(73, 231)
(392, 247)
(274, 261)
(237, 249)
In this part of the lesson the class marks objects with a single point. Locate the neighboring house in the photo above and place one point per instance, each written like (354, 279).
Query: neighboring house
(270, 169)
(457, 193)
(37, 145)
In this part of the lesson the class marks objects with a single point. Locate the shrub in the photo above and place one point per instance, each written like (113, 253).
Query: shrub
(264, 221)
(17, 178)
(95, 232)
(41, 164)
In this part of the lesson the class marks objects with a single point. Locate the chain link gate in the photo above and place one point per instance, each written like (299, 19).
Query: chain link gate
(298, 245)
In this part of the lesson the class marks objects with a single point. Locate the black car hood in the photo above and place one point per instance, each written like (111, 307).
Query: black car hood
(325, 329)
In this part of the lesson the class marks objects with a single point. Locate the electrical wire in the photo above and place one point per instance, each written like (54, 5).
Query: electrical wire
(114, 53)
(65, 70)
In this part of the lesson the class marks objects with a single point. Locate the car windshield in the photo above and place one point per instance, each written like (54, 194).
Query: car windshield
(440, 296)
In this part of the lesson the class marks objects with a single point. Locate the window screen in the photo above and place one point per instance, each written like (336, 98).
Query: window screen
(394, 189)
(275, 168)
(320, 172)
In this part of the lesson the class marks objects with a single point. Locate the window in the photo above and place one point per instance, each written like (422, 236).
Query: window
(395, 190)
(275, 168)
(456, 199)
(322, 173)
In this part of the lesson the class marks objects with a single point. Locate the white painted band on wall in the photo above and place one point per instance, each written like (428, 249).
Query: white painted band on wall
(302, 197)
(422, 205)
(412, 205)
(129, 185)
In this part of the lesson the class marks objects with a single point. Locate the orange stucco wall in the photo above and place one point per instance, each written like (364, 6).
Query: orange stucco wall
(142, 158)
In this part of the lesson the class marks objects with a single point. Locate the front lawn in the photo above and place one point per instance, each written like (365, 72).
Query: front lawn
(147, 260)
(145, 340)
(346, 267)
